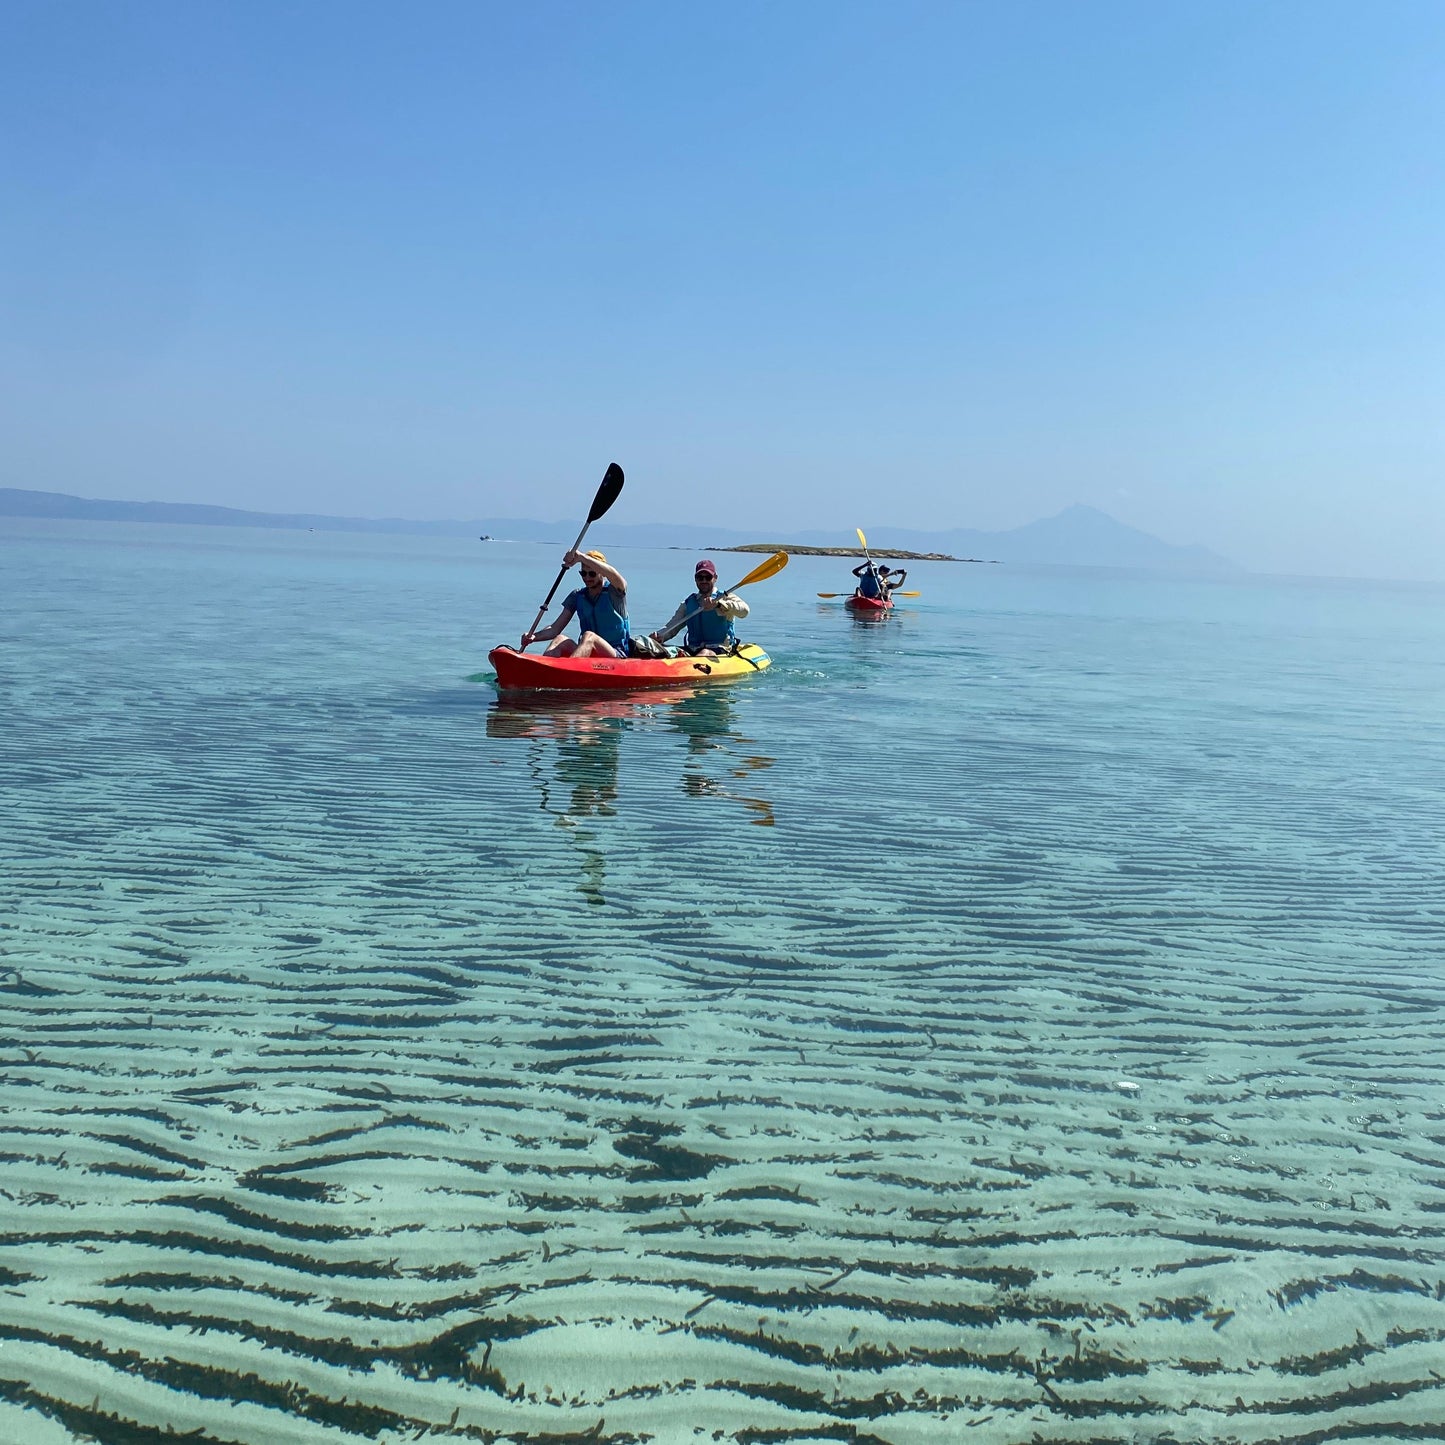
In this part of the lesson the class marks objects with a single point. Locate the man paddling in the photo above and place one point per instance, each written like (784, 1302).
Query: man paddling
(600, 604)
(707, 614)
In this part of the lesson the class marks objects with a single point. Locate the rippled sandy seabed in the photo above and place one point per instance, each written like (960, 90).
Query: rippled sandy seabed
(1045, 1047)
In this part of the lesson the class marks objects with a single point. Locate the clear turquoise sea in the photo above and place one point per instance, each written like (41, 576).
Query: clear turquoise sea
(1020, 1018)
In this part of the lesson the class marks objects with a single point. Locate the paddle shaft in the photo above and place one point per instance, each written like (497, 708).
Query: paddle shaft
(606, 494)
(552, 590)
(863, 543)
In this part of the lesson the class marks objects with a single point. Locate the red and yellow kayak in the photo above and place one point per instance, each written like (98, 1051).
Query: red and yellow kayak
(534, 672)
(860, 603)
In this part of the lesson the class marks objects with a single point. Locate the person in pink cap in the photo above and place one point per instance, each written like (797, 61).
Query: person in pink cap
(707, 614)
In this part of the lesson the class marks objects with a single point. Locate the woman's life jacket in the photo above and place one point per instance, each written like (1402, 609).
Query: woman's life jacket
(602, 616)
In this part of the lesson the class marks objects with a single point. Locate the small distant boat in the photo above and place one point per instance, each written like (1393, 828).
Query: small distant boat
(485, 537)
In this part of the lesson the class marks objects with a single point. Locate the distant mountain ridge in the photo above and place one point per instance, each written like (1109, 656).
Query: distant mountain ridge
(1079, 536)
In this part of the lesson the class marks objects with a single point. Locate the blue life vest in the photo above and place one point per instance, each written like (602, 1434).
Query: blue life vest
(602, 616)
(708, 629)
(869, 586)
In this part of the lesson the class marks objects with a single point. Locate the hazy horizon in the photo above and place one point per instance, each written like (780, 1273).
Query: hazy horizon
(1077, 529)
(923, 266)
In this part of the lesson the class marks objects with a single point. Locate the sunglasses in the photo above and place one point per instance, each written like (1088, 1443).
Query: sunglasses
(587, 572)
(703, 577)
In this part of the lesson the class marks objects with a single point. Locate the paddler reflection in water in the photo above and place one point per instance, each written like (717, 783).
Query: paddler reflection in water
(587, 762)
(707, 614)
(581, 788)
(601, 606)
(706, 720)
(587, 733)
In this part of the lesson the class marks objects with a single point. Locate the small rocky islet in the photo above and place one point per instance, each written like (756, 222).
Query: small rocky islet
(892, 554)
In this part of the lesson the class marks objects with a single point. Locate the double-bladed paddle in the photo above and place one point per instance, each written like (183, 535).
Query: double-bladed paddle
(854, 594)
(606, 494)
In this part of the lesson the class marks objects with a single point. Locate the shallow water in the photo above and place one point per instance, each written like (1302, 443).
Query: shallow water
(1015, 1018)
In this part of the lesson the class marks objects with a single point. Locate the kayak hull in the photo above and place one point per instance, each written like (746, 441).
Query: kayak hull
(860, 603)
(532, 672)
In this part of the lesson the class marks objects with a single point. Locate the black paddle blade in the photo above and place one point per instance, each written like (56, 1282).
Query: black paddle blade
(606, 493)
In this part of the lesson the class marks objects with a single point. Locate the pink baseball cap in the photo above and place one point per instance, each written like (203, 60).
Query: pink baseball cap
(705, 566)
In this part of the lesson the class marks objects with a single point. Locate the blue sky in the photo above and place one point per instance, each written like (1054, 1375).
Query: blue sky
(923, 265)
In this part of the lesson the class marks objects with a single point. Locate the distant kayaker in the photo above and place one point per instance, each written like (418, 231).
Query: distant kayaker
(870, 579)
(876, 581)
(707, 614)
(600, 604)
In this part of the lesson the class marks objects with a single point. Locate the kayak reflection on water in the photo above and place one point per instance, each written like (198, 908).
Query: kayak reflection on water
(580, 789)
(706, 719)
(588, 741)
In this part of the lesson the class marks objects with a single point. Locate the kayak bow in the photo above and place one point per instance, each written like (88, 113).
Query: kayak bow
(523, 670)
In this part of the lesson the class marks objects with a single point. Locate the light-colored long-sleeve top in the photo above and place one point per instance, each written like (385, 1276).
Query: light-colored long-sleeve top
(729, 605)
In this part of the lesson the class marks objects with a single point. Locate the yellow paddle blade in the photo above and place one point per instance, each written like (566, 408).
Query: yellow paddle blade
(908, 594)
(830, 594)
(862, 540)
(764, 570)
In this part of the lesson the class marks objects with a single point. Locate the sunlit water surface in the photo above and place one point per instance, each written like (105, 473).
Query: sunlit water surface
(1018, 1018)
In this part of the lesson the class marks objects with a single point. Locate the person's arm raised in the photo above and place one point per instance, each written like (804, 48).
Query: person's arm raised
(607, 493)
(608, 572)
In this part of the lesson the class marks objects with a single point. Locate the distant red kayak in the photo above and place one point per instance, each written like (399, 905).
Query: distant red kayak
(859, 603)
